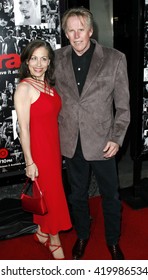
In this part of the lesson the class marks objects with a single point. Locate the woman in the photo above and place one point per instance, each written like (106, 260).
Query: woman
(30, 12)
(37, 105)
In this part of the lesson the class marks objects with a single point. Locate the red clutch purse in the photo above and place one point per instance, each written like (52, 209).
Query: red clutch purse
(35, 202)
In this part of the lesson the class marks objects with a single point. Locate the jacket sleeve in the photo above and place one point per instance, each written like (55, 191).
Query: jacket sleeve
(121, 102)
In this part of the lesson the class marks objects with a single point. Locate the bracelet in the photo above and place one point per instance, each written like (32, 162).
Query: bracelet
(30, 164)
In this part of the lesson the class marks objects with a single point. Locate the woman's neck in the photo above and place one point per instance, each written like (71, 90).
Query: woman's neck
(37, 79)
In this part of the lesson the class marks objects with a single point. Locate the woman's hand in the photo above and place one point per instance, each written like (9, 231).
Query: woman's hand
(32, 171)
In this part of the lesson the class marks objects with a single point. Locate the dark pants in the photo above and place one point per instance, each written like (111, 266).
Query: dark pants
(78, 170)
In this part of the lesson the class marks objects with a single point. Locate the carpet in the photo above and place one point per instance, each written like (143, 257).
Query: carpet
(133, 241)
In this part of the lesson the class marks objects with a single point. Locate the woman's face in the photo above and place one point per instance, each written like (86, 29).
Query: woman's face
(26, 7)
(38, 63)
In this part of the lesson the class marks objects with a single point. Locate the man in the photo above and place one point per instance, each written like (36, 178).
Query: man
(23, 42)
(8, 6)
(91, 79)
(33, 35)
(10, 43)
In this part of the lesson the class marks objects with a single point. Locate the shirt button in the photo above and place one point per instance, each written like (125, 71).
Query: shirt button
(79, 69)
(78, 84)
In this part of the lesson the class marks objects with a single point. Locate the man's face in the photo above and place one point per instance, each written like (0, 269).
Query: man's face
(10, 87)
(3, 22)
(7, 6)
(23, 35)
(78, 32)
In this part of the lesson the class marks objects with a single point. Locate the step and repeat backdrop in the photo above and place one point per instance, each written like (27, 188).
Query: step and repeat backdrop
(21, 21)
(145, 84)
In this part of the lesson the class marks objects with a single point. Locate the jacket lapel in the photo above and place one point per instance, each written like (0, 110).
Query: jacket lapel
(95, 66)
(69, 75)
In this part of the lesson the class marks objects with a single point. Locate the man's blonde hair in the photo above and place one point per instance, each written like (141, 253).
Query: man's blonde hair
(79, 12)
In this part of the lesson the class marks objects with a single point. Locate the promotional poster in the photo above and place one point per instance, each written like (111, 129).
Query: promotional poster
(145, 84)
(20, 23)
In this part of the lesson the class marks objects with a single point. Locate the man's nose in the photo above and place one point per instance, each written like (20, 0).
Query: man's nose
(76, 34)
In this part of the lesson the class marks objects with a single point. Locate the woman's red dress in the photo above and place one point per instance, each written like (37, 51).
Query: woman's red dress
(45, 150)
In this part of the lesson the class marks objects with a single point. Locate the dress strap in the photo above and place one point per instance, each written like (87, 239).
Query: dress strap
(40, 86)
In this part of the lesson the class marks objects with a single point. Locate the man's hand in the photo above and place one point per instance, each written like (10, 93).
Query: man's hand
(110, 149)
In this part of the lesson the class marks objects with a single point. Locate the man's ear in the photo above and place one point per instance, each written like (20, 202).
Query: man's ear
(90, 32)
(66, 35)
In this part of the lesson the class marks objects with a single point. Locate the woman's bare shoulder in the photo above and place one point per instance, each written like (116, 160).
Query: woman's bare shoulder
(23, 88)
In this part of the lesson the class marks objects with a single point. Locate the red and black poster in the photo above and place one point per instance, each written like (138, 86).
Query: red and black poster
(145, 84)
(20, 22)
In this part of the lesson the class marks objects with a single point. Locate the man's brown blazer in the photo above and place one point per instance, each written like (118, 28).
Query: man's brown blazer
(93, 113)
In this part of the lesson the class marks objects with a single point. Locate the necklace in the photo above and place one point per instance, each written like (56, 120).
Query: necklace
(27, 17)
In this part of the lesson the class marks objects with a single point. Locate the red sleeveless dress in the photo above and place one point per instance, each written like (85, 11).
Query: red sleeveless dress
(45, 150)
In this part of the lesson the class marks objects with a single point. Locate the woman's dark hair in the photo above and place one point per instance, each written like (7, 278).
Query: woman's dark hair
(26, 56)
